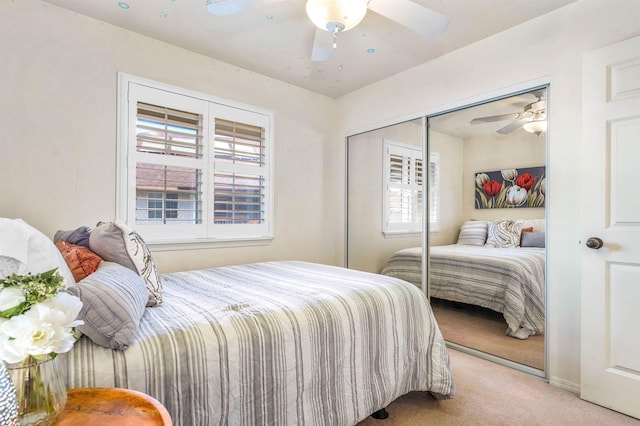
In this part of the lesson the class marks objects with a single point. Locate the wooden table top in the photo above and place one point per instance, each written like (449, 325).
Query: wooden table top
(112, 406)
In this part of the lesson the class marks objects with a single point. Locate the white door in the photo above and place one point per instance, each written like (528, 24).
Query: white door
(610, 338)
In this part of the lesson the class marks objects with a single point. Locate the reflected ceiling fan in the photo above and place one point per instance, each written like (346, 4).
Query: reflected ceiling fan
(533, 118)
(334, 16)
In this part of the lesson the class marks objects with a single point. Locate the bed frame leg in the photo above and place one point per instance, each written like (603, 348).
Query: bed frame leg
(380, 414)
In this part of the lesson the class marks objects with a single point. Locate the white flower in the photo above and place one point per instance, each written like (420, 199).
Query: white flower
(516, 196)
(481, 179)
(11, 297)
(509, 174)
(45, 323)
(8, 352)
(68, 305)
(39, 331)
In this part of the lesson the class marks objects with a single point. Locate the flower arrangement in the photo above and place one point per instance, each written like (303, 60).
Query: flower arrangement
(37, 322)
(36, 318)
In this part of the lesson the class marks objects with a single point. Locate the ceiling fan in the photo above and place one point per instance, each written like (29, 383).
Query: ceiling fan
(533, 118)
(334, 16)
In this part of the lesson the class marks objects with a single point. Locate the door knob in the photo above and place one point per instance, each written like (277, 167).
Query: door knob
(594, 243)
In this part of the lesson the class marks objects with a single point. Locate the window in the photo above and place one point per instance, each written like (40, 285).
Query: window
(190, 167)
(403, 177)
(160, 207)
(434, 192)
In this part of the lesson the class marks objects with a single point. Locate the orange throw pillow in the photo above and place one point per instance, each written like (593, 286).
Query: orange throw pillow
(82, 261)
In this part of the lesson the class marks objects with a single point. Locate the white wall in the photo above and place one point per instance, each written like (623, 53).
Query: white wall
(483, 154)
(58, 124)
(548, 49)
(451, 150)
(369, 248)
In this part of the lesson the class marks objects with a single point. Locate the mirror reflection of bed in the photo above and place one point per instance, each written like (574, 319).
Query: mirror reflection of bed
(489, 299)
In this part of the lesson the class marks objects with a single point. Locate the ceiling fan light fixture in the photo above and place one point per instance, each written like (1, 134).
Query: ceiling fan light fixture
(536, 126)
(336, 16)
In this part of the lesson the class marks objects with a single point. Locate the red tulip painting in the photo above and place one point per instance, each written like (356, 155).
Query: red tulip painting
(510, 188)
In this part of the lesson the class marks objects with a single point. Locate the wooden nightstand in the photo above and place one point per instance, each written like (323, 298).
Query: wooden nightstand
(112, 406)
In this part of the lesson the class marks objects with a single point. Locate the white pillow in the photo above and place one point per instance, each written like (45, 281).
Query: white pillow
(24, 249)
(504, 233)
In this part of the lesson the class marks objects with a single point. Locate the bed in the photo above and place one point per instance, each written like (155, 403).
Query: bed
(271, 343)
(509, 280)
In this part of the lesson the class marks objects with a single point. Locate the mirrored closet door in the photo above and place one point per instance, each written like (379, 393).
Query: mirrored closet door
(384, 195)
(482, 184)
(487, 254)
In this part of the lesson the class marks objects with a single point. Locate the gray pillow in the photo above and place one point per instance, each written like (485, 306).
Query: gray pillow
(116, 242)
(113, 301)
(473, 233)
(532, 239)
(78, 236)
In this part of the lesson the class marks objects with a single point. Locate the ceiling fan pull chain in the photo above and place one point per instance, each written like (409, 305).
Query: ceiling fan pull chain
(335, 37)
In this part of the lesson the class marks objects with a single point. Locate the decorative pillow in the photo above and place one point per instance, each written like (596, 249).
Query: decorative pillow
(529, 229)
(82, 261)
(538, 225)
(78, 236)
(532, 239)
(115, 242)
(504, 233)
(24, 249)
(113, 301)
(473, 233)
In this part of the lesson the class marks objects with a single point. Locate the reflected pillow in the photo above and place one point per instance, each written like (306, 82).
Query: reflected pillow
(532, 239)
(504, 234)
(529, 229)
(473, 233)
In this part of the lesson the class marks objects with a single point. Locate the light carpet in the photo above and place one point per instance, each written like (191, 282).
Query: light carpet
(491, 394)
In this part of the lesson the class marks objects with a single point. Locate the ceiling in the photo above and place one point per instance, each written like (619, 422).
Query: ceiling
(276, 39)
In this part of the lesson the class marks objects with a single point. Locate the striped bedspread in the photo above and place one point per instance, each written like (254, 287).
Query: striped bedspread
(405, 264)
(506, 280)
(275, 343)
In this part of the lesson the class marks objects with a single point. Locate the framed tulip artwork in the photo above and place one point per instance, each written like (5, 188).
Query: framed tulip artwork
(510, 188)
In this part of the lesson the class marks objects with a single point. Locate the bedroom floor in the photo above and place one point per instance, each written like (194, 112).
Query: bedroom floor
(495, 395)
(484, 330)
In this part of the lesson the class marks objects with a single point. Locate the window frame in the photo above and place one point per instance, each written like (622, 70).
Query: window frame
(434, 192)
(414, 152)
(131, 90)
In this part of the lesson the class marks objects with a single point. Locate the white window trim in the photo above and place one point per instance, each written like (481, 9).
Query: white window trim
(126, 159)
(415, 227)
(434, 192)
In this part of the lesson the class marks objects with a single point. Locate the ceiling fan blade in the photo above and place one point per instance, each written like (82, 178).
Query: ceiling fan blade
(229, 7)
(322, 46)
(411, 15)
(513, 126)
(493, 118)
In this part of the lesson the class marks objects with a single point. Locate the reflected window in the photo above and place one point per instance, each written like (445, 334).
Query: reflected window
(403, 173)
(434, 192)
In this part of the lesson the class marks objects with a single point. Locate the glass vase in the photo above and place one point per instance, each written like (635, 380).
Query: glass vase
(40, 390)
